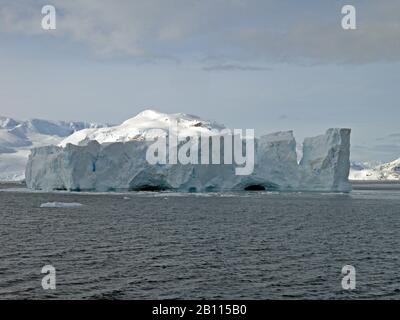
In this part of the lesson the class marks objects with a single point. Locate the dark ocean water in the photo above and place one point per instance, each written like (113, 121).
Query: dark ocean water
(234, 246)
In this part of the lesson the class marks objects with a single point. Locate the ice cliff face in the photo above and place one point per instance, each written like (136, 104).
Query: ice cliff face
(114, 158)
(326, 160)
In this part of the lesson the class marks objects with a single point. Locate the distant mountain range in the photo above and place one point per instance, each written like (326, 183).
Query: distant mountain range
(18, 137)
(365, 171)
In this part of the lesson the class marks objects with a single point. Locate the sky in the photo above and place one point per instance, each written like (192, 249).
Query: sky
(270, 65)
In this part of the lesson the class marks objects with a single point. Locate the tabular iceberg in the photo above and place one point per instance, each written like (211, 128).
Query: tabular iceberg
(111, 159)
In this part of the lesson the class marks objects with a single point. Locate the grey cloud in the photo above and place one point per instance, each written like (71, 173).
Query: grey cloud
(262, 30)
(379, 148)
(382, 153)
(392, 138)
(359, 147)
(235, 67)
(387, 148)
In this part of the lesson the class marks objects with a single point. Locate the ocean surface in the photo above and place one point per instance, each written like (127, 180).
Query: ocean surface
(250, 245)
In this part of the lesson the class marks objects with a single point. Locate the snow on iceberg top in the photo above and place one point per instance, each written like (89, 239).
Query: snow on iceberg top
(144, 126)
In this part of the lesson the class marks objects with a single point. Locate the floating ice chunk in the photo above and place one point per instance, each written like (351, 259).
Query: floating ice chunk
(61, 205)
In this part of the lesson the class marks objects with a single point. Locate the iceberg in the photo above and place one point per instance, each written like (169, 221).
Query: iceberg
(114, 159)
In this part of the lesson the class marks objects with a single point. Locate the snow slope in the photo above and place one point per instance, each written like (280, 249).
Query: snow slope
(145, 126)
(18, 137)
(114, 158)
(387, 171)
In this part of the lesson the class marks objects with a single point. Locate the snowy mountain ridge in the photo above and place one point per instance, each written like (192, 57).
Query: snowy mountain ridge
(18, 137)
(388, 171)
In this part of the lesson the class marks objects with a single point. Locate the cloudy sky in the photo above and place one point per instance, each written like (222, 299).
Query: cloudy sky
(264, 64)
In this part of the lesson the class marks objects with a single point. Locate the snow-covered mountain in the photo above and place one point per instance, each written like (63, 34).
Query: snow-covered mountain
(387, 171)
(18, 137)
(144, 126)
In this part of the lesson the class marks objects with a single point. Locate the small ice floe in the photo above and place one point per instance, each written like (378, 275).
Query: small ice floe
(61, 205)
(127, 198)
